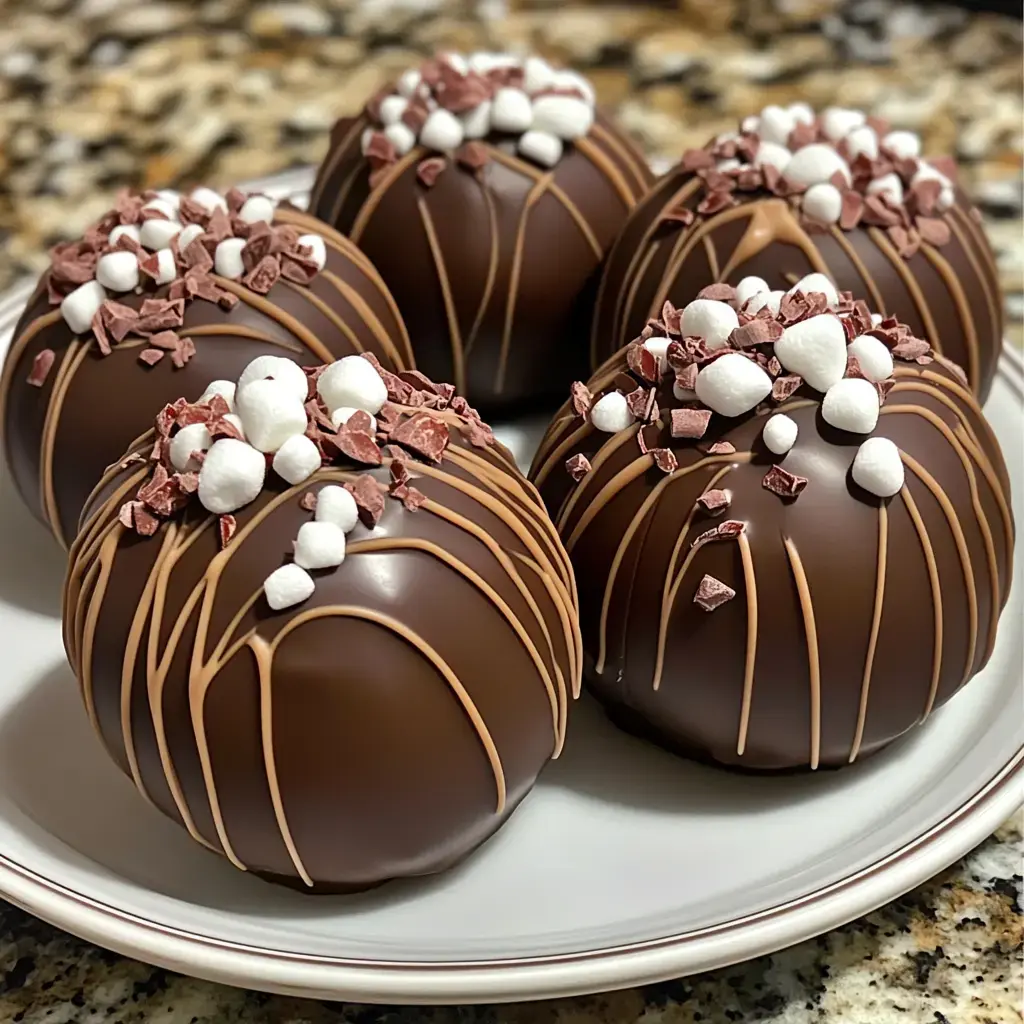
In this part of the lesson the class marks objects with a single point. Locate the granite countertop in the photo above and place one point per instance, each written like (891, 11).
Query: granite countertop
(99, 94)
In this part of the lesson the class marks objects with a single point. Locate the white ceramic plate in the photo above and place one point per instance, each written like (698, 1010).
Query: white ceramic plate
(625, 866)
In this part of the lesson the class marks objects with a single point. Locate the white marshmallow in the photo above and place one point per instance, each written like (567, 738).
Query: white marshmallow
(270, 414)
(80, 306)
(815, 349)
(227, 258)
(297, 460)
(925, 172)
(946, 198)
(169, 196)
(188, 234)
(209, 199)
(236, 422)
(658, 347)
(118, 271)
(823, 202)
(257, 208)
(169, 210)
(541, 147)
(193, 438)
(442, 131)
(876, 319)
(538, 75)
(343, 414)
(683, 394)
(774, 154)
(336, 505)
(711, 320)
(366, 138)
(277, 368)
(476, 123)
(125, 231)
(319, 546)
(456, 61)
(564, 116)
(352, 381)
(874, 358)
(773, 300)
(610, 413)
(878, 468)
(751, 123)
(409, 82)
(802, 113)
(317, 244)
(392, 108)
(224, 388)
(484, 61)
(289, 585)
(906, 145)
(776, 124)
(511, 111)
(851, 404)
(749, 287)
(729, 164)
(574, 80)
(838, 122)
(863, 140)
(817, 283)
(401, 136)
(887, 183)
(814, 163)
(779, 433)
(157, 234)
(231, 476)
(166, 268)
(733, 385)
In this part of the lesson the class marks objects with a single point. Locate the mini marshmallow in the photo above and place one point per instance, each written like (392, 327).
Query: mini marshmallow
(257, 208)
(541, 147)
(188, 234)
(476, 123)
(876, 319)
(319, 545)
(773, 300)
(236, 422)
(730, 164)
(125, 231)
(441, 131)
(409, 82)
(336, 505)
(289, 585)
(277, 368)
(538, 75)
(733, 385)
(816, 350)
(209, 200)
(166, 268)
(774, 154)
(353, 382)
(823, 202)
(343, 414)
(564, 116)
(610, 413)
(862, 140)
(838, 122)
(157, 234)
(318, 247)
(905, 145)
(118, 271)
(227, 258)
(749, 287)
(887, 183)
(169, 210)
(270, 413)
(814, 163)
(224, 388)
(80, 306)
(296, 460)
(511, 111)
(392, 108)
(231, 476)
(456, 61)
(711, 320)
(851, 404)
(658, 347)
(925, 172)
(401, 136)
(802, 113)
(779, 433)
(683, 394)
(776, 125)
(750, 124)
(878, 468)
(574, 80)
(169, 196)
(365, 139)
(193, 438)
(817, 283)
(874, 358)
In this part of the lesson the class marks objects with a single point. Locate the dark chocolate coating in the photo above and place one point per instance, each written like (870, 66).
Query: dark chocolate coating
(380, 770)
(524, 287)
(835, 530)
(108, 402)
(958, 307)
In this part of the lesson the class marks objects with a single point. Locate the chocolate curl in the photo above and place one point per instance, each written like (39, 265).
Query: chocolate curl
(755, 332)
(720, 292)
(308, 501)
(151, 356)
(711, 593)
(430, 169)
(783, 483)
(424, 435)
(664, 459)
(697, 160)
(41, 366)
(933, 230)
(714, 501)
(577, 466)
(728, 530)
(690, 423)
(581, 398)
(369, 497)
(721, 448)
(784, 387)
(852, 210)
(642, 362)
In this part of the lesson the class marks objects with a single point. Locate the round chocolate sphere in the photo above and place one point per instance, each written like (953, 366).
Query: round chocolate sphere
(790, 194)
(129, 318)
(361, 647)
(774, 573)
(487, 192)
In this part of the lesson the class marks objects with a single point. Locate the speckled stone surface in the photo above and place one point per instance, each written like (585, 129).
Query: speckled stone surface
(98, 94)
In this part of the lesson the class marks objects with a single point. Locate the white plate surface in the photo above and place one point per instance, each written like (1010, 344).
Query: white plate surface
(626, 865)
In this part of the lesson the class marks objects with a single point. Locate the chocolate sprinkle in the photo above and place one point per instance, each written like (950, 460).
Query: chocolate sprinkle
(711, 593)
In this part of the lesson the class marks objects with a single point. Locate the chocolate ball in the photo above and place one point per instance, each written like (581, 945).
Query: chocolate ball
(328, 701)
(72, 401)
(781, 585)
(861, 207)
(488, 217)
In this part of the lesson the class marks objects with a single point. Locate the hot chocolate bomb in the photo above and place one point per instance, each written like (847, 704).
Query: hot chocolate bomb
(790, 530)
(361, 624)
(487, 191)
(165, 294)
(790, 194)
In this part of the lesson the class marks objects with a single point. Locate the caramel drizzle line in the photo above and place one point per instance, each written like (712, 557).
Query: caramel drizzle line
(986, 284)
(337, 154)
(631, 160)
(458, 358)
(936, 589)
(979, 512)
(965, 561)
(750, 582)
(546, 456)
(370, 318)
(876, 621)
(634, 287)
(374, 199)
(909, 282)
(977, 232)
(332, 316)
(770, 221)
(712, 254)
(230, 330)
(492, 268)
(607, 167)
(532, 199)
(963, 309)
(811, 633)
(858, 264)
